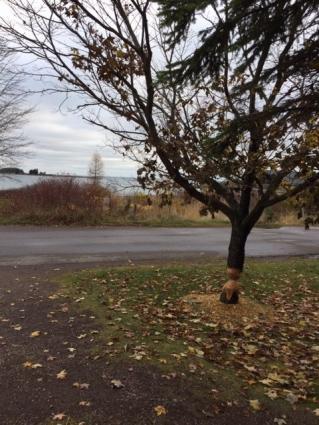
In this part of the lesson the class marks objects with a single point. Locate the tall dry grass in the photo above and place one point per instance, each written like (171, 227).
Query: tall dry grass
(68, 201)
(283, 214)
(56, 201)
(145, 208)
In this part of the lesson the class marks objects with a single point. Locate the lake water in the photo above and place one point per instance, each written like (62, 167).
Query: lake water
(123, 185)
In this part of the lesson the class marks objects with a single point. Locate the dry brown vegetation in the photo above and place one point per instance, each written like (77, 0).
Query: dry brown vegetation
(66, 201)
(58, 201)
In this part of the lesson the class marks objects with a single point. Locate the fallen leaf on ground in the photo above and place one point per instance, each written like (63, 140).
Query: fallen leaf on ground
(272, 394)
(255, 404)
(117, 383)
(59, 416)
(17, 327)
(250, 368)
(30, 365)
(36, 365)
(81, 336)
(51, 358)
(85, 403)
(78, 300)
(291, 397)
(280, 421)
(160, 410)
(34, 334)
(277, 378)
(62, 374)
(250, 349)
(81, 386)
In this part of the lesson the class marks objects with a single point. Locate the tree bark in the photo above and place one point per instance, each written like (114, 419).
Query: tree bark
(235, 265)
(236, 249)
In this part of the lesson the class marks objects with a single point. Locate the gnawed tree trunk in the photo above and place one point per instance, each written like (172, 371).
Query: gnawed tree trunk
(235, 265)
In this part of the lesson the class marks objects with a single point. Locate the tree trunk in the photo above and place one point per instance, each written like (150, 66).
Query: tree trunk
(235, 265)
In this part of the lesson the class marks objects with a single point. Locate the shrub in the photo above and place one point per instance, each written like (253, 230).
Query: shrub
(58, 201)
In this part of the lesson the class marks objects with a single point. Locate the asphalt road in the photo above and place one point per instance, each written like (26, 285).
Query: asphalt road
(34, 245)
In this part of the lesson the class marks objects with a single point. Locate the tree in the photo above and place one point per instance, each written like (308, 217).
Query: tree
(11, 170)
(96, 168)
(226, 120)
(34, 172)
(13, 111)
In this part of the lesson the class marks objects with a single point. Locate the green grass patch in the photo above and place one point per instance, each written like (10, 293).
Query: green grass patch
(142, 319)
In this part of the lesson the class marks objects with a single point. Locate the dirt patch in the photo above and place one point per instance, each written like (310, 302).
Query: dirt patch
(245, 312)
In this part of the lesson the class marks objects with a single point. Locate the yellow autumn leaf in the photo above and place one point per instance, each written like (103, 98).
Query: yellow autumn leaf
(59, 417)
(250, 349)
(85, 403)
(250, 368)
(137, 357)
(255, 404)
(277, 378)
(81, 386)
(81, 336)
(17, 327)
(272, 394)
(34, 334)
(160, 410)
(116, 383)
(36, 365)
(266, 381)
(30, 365)
(62, 374)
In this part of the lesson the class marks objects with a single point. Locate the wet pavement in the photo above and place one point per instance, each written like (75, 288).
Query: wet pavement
(41, 245)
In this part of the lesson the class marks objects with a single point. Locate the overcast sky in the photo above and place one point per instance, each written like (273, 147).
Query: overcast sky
(62, 142)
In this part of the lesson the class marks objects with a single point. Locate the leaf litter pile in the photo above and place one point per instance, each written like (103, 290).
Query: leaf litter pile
(264, 351)
(246, 311)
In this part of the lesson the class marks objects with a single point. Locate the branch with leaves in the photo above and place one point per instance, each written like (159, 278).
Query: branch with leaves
(224, 113)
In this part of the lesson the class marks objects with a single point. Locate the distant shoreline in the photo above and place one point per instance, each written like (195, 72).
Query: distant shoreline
(13, 181)
(5, 174)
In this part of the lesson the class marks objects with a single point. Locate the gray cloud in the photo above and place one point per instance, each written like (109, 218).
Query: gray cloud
(61, 140)
(64, 142)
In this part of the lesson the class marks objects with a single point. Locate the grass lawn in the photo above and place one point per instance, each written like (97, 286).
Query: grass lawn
(46, 219)
(264, 364)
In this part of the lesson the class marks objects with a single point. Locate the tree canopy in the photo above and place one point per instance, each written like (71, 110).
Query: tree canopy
(220, 98)
(249, 28)
(260, 58)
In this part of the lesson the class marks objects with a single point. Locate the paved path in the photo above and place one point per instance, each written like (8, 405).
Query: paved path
(34, 245)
